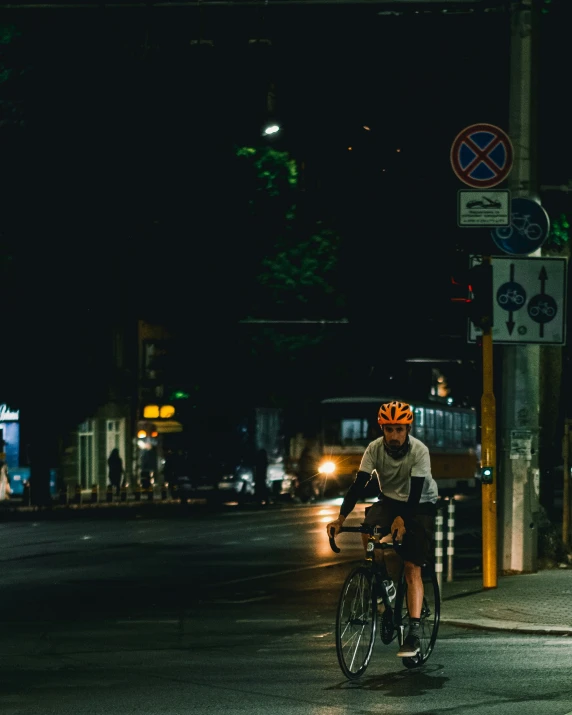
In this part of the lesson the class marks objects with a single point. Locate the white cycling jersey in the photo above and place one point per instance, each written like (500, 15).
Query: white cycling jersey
(394, 475)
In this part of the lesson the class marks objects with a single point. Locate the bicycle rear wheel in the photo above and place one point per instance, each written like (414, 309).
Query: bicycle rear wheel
(430, 616)
(356, 623)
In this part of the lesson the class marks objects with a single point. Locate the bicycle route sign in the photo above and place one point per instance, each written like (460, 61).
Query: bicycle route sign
(528, 230)
(481, 155)
(529, 297)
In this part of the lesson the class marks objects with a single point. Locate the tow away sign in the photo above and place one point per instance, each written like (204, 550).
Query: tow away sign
(483, 207)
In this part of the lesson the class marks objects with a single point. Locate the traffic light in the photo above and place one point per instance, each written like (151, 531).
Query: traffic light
(487, 475)
(474, 289)
(481, 289)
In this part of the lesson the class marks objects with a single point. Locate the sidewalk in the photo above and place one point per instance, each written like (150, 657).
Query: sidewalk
(539, 603)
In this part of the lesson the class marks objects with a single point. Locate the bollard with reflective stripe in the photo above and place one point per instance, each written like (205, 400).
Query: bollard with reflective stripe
(450, 538)
(439, 550)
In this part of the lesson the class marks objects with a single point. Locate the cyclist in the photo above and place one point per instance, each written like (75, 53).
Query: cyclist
(406, 507)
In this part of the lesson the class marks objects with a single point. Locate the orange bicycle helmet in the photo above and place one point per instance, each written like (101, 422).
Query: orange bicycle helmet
(395, 413)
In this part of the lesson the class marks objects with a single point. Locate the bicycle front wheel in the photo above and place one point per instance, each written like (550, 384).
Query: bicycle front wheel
(356, 623)
(430, 616)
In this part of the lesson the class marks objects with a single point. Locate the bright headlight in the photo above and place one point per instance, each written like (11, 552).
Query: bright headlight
(327, 468)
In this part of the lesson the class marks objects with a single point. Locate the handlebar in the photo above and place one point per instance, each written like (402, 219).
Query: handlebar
(370, 530)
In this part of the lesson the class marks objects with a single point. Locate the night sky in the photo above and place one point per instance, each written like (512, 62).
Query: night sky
(121, 191)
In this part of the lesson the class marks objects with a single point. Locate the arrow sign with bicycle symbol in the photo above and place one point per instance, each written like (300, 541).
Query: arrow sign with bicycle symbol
(528, 229)
(529, 296)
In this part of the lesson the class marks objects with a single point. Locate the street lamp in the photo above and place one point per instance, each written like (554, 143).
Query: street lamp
(270, 129)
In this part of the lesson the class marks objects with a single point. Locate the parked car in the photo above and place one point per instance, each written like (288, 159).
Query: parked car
(222, 454)
(214, 478)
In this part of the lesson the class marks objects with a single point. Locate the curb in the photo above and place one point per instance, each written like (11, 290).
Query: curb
(509, 626)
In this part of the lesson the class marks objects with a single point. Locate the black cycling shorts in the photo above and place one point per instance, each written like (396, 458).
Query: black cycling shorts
(418, 546)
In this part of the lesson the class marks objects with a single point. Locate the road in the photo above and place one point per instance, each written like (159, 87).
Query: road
(228, 613)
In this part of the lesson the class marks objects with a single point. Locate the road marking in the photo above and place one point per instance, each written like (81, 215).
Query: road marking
(268, 620)
(136, 622)
(242, 600)
(281, 573)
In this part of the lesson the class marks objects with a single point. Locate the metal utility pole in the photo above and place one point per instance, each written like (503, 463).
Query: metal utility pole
(521, 363)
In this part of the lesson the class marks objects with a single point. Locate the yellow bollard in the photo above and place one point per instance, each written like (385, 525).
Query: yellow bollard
(94, 493)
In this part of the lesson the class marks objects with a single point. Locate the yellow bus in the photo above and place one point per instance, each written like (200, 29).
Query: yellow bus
(349, 424)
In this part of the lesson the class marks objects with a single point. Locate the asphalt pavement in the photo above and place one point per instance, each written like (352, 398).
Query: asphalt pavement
(537, 603)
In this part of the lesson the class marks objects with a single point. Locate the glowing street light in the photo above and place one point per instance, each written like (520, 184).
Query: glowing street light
(271, 129)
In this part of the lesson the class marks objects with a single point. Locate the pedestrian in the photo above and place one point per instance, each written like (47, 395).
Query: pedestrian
(148, 467)
(260, 477)
(115, 464)
(5, 490)
(309, 488)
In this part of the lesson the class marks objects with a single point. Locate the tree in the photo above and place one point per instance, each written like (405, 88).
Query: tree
(295, 274)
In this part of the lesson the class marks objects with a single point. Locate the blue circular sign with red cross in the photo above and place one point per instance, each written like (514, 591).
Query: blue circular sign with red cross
(481, 155)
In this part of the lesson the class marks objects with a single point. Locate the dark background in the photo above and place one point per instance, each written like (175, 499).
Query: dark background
(121, 191)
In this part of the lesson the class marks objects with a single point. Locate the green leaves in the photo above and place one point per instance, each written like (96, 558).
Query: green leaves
(295, 272)
(8, 33)
(275, 171)
(299, 274)
(559, 235)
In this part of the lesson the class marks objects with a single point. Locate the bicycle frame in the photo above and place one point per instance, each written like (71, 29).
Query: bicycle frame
(379, 574)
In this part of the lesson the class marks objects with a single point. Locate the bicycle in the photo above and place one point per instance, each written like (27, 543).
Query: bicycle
(522, 224)
(357, 614)
(512, 295)
(543, 308)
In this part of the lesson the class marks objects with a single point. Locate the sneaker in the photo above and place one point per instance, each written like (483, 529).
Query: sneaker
(410, 648)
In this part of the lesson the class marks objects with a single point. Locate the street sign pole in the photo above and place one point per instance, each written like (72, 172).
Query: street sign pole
(519, 494)
(481, 157)
(488, 462)
(566, 485)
